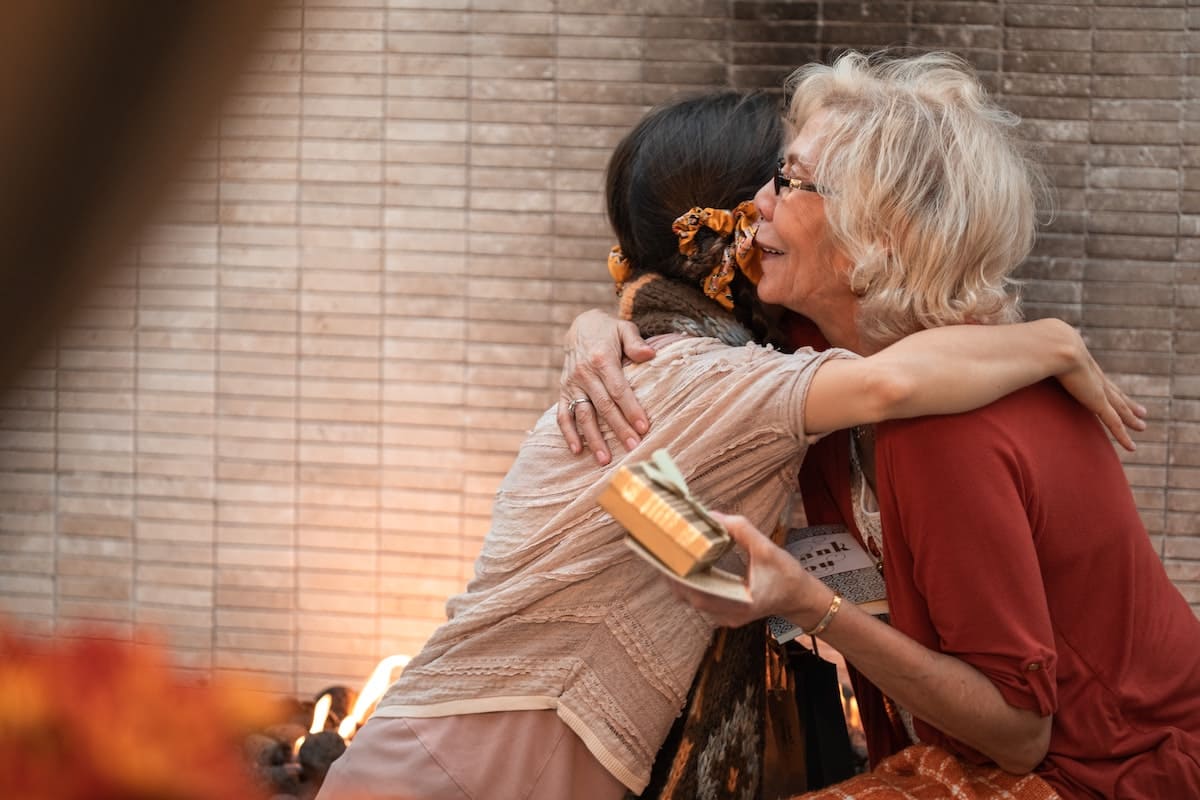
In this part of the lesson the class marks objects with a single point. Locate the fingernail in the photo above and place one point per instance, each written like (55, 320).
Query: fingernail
(631, 443)
(642, 426)
(602, 457)
(574, 449)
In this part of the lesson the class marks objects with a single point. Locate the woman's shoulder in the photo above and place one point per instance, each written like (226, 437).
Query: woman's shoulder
(671, 347)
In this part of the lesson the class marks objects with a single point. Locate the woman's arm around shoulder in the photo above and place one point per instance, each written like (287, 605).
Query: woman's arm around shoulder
(962, 367)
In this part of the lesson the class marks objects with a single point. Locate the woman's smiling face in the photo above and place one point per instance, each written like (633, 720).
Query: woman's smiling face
(802, 268)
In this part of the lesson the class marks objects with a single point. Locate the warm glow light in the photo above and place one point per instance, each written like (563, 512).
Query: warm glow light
(852, 717)
(374, 688)
(296, 746)
(321, 713)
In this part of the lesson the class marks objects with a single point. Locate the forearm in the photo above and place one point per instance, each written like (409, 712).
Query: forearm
(944, 691)
(958, 368)
(940, 371)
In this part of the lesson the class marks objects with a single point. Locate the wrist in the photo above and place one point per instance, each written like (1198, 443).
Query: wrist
(1067, 347)
(816, 619)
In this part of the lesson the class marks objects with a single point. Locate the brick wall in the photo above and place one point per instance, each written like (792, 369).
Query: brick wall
(274, 432)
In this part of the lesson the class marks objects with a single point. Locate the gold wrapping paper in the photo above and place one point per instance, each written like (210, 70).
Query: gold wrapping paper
(652, 501)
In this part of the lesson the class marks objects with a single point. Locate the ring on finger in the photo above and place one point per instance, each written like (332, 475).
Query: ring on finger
(571, 405)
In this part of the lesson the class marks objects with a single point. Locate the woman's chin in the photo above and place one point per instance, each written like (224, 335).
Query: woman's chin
(767, 294)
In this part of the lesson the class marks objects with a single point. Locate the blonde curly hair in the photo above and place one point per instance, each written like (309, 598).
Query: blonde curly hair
(931, 196)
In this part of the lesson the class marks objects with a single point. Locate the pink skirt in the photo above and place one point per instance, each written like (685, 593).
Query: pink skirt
(505, 755)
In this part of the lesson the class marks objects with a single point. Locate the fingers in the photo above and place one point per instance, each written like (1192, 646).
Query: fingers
(614, 401)
(1132, 413)
(566, 424)
(593, 386)
(1122, 414)
(631, 412)
(633, 344)
(589, 426)
(741, 530)
(721, 611)
(1112, 421)
(566, 393)
(1116, 411)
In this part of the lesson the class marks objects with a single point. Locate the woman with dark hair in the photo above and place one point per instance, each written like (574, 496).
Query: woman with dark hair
(565, 662)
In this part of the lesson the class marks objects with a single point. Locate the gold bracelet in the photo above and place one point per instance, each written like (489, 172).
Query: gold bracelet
(834, 605)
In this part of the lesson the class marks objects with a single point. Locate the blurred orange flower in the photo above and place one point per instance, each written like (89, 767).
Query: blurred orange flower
(97, 719)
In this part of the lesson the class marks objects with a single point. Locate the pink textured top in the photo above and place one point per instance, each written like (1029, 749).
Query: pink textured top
(560, 614)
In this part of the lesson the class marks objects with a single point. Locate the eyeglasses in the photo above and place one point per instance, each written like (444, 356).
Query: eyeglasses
(784, 182)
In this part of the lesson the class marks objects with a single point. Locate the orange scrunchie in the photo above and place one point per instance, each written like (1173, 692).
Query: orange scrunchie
(742, 223)
(618, 267)
(741, 253)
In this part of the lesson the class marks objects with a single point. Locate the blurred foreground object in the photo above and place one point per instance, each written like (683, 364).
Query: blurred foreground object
(100, 104)
(97, 719)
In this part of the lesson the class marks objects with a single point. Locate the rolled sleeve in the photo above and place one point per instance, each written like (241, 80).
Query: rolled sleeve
(1028, 683)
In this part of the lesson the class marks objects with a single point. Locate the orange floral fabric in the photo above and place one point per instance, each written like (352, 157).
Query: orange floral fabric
(740, 254)
(738, 225)
(925, 772)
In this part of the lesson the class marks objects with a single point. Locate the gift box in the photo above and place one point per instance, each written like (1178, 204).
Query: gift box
(652, 500)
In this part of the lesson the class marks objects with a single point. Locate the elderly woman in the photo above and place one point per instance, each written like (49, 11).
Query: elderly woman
(1037, 646)
(566, 660)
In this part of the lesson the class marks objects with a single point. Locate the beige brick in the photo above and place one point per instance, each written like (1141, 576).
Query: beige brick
(73, 613)
(176, 341)
(254, 598)
(436, 566)
(280, 144)
(92, 339)
(364, 646)
(250, 170)
(340, 184)
(249, 578)
(26, 584)
(276, 82)
(335, 526)
(357, 248)
(452, 43)
(275, 540)
(335, 475)
(230, 555)
(251, 661)
(232, 640)
(183, 404)
(339, 625)
(322, 603)
(26, 483)
(423, 533)
(98, 588)
(33, 613)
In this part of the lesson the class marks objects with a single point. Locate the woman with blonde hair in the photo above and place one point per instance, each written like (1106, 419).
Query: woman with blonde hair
(1037, 647)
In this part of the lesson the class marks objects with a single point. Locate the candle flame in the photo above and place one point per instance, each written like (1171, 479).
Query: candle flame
(374, 688)
(321, 713)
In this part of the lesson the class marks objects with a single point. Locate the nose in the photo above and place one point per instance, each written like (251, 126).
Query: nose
(765, 199)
